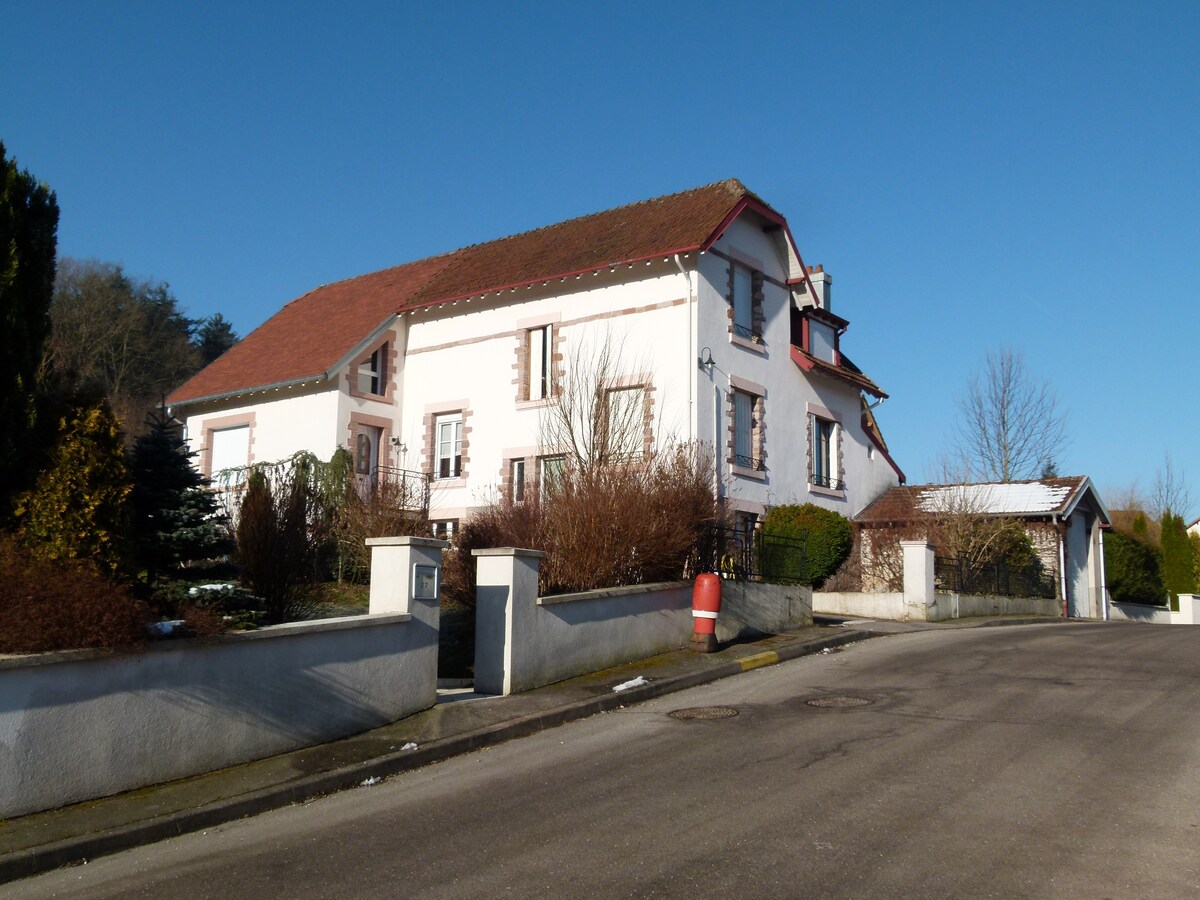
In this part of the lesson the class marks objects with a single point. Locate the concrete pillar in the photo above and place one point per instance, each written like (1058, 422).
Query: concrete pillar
(394, 573)
(505, 603)
(1189, 610)
(918, 579)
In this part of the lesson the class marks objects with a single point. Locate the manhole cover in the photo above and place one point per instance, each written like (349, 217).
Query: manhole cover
(839, 702)
(703, 712)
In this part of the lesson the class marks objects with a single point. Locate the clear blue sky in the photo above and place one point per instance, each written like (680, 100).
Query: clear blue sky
(971, 174)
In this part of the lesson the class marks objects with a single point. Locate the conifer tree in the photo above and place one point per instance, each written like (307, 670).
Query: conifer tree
(28, 227)
(1178, 564)
(175, 516)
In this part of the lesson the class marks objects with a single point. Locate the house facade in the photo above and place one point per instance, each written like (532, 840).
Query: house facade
(713, 329)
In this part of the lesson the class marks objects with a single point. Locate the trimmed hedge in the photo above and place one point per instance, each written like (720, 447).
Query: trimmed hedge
(828, 536)
(1132, 570)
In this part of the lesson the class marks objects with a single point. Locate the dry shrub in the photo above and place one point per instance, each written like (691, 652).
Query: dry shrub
(602, 526)
(394, 508)
(62, 605)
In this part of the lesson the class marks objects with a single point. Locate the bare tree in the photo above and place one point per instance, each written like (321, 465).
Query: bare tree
(598, 414)
(1170, 492)
(1012, 427)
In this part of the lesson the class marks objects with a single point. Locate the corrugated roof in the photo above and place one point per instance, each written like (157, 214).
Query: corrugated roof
(313, 333)
(1040, 497)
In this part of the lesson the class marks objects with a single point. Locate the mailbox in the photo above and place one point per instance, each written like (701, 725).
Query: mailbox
(425, 581)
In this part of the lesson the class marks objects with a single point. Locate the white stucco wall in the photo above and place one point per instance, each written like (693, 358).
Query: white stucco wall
(280, 425)
(79, 725)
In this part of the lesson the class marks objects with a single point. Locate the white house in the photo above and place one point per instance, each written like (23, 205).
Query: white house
(446, 365)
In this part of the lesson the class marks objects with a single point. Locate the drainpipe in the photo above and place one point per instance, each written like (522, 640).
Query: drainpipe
(1103, 585)
(692, 380)
(1062, 565)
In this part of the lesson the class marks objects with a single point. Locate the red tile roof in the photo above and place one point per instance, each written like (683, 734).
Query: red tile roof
(808, 363)
(315, 332)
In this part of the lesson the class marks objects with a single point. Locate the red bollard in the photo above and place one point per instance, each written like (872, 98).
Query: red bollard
(706, 603)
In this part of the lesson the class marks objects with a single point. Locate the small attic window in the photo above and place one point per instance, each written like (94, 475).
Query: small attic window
(370, 372)
(822, 341)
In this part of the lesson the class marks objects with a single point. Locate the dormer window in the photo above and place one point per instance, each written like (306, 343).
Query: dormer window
(822, 341)
(371, 376)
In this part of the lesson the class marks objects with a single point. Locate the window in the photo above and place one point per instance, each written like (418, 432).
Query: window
(743, 305)
(824, 454)
(539, 345)
(445, 529)
(746, 300)
(371, 373)
(550, 471)
(747, 430)
(821, 340)
(448, 446)
(624, 423)
(517, 477)
(230, 448)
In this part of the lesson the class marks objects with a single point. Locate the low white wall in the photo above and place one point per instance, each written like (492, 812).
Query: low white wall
(748, 608)
(959, 606)
(83, 724)
(523, 642)
(850, 603)
(1136, 612)
(1189, 610)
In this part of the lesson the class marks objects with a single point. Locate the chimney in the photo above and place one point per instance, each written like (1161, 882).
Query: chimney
(822, 286)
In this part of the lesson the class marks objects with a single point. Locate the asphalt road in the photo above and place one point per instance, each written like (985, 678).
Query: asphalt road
(1037, 761)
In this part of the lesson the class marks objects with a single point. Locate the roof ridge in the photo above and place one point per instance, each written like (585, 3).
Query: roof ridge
(733, 183)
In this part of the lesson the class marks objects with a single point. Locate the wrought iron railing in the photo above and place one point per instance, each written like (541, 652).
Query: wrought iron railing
(827, 481)
(748, 333)
(745, 555)
(409, 488)
(748, 462)
(961, 576)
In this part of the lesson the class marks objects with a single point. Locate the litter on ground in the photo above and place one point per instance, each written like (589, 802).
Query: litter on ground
(636, 682)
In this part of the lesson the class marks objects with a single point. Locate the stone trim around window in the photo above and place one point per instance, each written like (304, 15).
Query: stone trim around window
(428, 449)
(838, 463)
(753, 340)
(522, 363)
(208, 426)
(758, 429)
(387, 376)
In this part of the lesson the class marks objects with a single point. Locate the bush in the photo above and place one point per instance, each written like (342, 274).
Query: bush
(602, 526)
(1132, 570)
(1178, 563)
(77, 509)
(828, 539)
(62, 605)
(275, 547)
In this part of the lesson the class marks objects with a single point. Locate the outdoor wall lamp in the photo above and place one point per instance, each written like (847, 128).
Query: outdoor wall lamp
(705, 360)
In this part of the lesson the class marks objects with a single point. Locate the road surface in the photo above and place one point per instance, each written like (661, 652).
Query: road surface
(1036, 761)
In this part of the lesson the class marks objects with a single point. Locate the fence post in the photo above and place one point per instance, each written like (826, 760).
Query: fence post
(506, 589)
(918, 578)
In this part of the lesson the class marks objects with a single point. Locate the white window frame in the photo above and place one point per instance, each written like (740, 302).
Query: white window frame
(539, 360)
(630, 423)
(555, 458)
(447, 448)
(824, 468)
(516, 470)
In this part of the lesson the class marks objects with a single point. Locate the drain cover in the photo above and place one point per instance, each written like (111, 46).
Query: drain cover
(703, 712)
(839, 702)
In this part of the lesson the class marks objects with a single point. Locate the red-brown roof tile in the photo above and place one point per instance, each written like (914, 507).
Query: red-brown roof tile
(313, 333)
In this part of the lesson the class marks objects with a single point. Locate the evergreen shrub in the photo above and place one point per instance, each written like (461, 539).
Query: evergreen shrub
(828, 538)
(1132, 570)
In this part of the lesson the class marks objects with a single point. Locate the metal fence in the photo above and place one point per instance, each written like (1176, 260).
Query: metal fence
(746, 555)
(960, 576)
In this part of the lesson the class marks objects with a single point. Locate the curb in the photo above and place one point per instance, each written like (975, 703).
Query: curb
(35, 860)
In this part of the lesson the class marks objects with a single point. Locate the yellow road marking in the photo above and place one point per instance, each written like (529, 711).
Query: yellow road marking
(769, 658)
